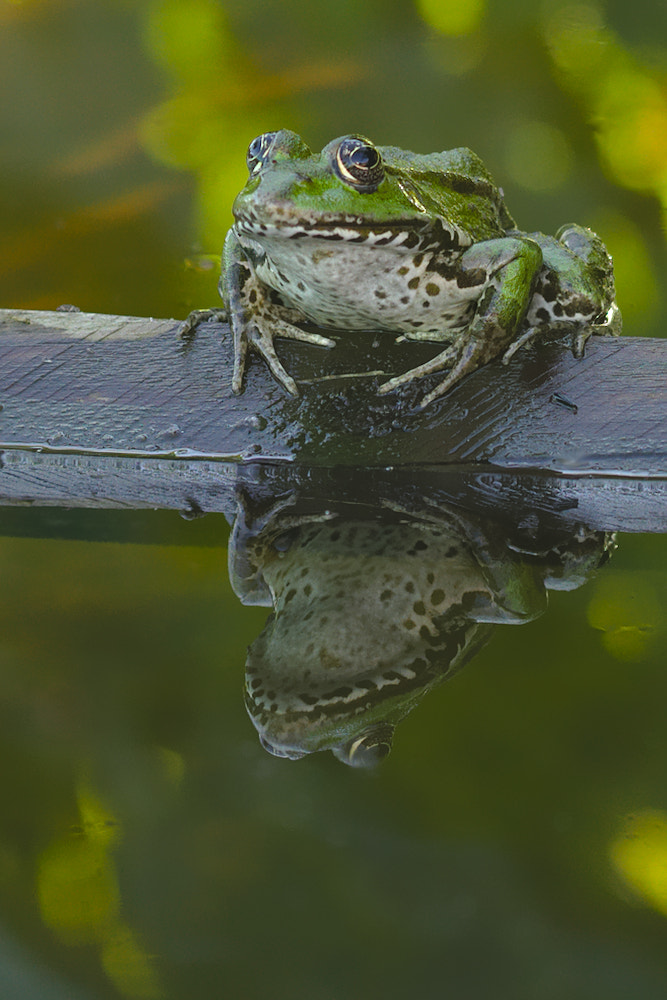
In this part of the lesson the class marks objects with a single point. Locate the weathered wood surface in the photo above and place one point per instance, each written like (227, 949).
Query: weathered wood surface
(116, 411)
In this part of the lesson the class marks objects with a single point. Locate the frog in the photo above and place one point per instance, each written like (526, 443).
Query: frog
(371, 612)
(362, 237)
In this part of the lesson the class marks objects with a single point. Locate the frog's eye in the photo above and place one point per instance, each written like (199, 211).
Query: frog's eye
(258, 151)
(359, 163)
(369, 748)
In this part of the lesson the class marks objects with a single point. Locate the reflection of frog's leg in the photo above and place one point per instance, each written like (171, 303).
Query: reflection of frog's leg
(255, 539)
(255, 318)
(515, 585)
(511, 266)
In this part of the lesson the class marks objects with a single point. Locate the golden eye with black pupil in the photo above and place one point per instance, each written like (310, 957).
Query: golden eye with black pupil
(258, 151)
(359, 164)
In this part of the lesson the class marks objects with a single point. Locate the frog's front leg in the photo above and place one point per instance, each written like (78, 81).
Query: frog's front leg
(255, 540)
(511, 266)
(256, 318)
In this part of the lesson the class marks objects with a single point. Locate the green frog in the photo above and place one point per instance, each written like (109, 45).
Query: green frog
(363, 237)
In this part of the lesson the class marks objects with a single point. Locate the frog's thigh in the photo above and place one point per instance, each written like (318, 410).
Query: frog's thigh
(512, 266)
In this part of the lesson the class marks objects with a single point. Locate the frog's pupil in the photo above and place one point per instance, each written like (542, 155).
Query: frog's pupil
(360, 161)
(363, 158)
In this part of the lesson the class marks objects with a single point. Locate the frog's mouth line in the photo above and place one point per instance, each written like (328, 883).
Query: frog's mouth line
(409, 234)
(326, 225)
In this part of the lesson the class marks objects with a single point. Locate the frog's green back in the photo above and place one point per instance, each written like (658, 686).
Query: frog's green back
(455, 183)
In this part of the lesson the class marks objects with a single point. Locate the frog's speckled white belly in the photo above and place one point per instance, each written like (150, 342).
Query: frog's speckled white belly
(366, 287)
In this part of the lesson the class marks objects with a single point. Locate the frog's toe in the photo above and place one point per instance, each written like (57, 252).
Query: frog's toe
(468, 359)
(436, 364)
(308, 338)
(189, 325)
(465, 357)
(578, 340)
(521, 341)
(264, 346)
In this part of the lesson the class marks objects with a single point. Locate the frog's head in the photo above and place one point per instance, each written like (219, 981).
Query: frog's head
(305, 697)
(352, 191)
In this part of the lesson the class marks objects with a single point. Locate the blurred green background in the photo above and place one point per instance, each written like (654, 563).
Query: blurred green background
(515, 842)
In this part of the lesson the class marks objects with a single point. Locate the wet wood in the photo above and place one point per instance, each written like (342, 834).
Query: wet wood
(106, 407)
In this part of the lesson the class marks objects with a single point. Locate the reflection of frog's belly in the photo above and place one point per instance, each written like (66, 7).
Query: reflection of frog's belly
(368, 288)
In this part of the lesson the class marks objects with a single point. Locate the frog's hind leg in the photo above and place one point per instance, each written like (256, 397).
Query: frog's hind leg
(595, 278)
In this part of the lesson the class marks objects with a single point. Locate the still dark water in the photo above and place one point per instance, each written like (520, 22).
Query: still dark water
(514, 842)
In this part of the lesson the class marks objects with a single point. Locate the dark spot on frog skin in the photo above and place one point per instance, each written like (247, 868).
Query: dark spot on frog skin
(411, 240)
(380, 295)
(403, 270)
(437, 597)
(470, 278)
(542, 314)
(413, 283)
(432, 288)
(341, 692)
(550, 288)
(419, 608)
(471, 598)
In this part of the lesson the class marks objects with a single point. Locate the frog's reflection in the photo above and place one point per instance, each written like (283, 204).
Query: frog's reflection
(369, 613)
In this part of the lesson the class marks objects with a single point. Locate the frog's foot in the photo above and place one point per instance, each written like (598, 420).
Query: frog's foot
(259, 336)
(188, 327)
(521, 341)
(466, 355)
(613, 322)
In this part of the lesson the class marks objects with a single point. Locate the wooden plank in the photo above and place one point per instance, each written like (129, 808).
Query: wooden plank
(195, 486)
(118, 412)
(93, 383)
